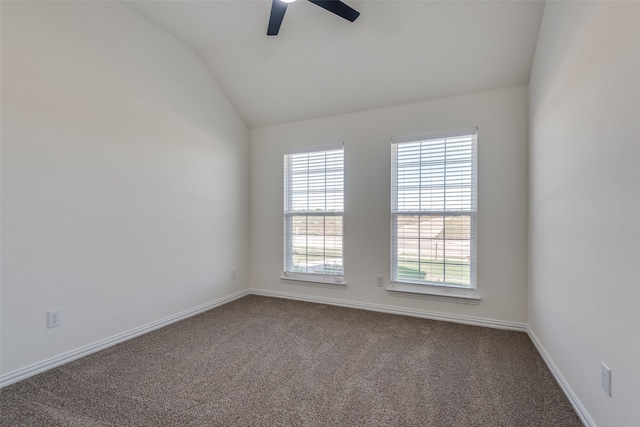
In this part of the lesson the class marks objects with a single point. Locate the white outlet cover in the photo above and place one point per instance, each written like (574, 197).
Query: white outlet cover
(54, 318)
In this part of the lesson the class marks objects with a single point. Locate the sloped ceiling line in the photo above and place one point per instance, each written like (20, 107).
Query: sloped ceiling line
(396, 52)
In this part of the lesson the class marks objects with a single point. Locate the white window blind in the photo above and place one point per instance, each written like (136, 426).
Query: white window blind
(313, 211)
(433, 209)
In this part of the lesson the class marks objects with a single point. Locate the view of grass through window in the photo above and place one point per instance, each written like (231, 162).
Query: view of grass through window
(433, 208)
(432, 247)
(317, 244)
(313, 209)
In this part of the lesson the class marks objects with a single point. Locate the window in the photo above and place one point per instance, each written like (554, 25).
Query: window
(433, 210)
(313, 211)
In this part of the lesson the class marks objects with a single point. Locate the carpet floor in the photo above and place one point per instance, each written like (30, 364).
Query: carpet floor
(262, 361)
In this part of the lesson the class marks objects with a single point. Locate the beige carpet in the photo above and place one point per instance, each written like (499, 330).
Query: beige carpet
(269, 362)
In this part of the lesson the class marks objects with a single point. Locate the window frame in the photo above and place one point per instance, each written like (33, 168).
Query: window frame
(289, 213)
(444, 288)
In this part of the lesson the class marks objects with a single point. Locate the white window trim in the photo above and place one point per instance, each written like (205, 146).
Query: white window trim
(323, 280)
(435, 292)
(300, 150)
(429, 290)
(326, 280)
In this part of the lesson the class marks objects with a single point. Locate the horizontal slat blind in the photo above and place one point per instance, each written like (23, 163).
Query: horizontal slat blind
(315, 181)
(313, 209)
(433, 209)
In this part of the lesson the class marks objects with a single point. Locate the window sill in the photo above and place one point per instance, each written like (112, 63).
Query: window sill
(311, 280)
(438, 293)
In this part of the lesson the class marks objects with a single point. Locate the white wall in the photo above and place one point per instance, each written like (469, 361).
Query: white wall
(501, 117)
(584, 294)
(124, 178)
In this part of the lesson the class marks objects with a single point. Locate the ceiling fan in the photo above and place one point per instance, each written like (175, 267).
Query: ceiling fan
(279, 7)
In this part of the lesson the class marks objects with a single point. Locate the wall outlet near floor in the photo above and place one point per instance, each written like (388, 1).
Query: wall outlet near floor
(380, 281)
(605, 378)
(233, 274)
(54, 318)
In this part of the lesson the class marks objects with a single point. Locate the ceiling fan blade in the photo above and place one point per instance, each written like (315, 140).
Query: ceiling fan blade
(278, 8)
(337, 7)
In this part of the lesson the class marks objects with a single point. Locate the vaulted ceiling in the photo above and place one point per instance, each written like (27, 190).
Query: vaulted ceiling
(396, 52)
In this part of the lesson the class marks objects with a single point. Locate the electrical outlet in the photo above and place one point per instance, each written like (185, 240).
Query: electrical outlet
(54, 318)
(380, 281)
(233, 274)
(605, 378)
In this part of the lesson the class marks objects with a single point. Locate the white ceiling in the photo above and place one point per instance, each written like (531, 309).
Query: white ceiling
(396, 52)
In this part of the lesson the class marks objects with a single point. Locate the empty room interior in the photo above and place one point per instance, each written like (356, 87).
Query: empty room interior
(407, 209)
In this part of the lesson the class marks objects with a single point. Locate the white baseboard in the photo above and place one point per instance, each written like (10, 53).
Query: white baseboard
(562, 382)
(425, 314)
(45, 365)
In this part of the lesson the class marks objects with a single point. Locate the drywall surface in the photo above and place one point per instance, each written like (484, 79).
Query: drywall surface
(584, 298)
(501, 118)
(124, 178)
